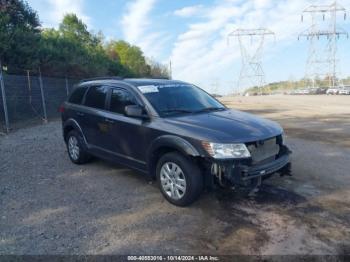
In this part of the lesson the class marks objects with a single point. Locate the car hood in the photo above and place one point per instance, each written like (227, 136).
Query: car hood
(227, 126)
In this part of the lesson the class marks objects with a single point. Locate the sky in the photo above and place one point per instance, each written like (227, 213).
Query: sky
(193, 34)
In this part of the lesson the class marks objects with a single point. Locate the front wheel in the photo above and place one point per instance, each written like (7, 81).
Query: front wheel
(179, 179)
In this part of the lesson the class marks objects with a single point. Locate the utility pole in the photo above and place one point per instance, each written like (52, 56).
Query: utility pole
(251, 43)
(215, 86)
(67, 85)
(170, 70)
(322, 62)
(29, 87)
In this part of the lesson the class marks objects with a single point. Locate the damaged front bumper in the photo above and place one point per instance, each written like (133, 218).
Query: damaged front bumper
(247, 172)
(243, 172)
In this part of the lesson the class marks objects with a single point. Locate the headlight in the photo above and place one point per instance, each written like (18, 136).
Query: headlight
(223, 151)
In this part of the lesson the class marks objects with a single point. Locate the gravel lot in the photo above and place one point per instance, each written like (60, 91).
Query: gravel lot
(51, 206)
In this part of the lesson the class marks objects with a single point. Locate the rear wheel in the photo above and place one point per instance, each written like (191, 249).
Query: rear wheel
(76, 149)
(179, 179)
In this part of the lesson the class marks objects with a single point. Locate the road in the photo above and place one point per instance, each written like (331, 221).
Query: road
(51, 206)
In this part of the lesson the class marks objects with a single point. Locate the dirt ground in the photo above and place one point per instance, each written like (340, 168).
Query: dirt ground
(50, 206)
(325, 117)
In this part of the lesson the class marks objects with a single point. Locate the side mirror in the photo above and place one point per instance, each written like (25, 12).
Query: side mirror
(135, 111)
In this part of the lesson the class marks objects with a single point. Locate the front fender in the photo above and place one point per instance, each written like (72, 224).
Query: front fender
(168, 141)
(175, 142)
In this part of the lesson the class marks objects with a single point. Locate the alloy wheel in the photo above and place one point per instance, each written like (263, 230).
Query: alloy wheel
(173, 180)
(73, 148)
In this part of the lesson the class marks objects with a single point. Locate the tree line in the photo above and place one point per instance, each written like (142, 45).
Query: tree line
(71, 50)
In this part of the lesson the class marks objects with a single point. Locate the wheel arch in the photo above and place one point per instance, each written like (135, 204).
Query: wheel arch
(70, 125)
(166, 144)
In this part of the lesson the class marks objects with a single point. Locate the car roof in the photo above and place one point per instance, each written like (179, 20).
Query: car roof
(132, 81)
(148, 81)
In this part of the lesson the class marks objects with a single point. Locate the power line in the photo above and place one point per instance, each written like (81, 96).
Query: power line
(323, 62)
(251, 55)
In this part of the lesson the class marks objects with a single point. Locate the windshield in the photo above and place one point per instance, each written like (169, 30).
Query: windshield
(179, 99)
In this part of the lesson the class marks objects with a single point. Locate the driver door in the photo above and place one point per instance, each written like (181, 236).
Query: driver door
(127, 135)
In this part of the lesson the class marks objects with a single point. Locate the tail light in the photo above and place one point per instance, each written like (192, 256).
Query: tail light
(61, 109)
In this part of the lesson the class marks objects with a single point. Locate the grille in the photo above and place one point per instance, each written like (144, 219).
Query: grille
(263, 150)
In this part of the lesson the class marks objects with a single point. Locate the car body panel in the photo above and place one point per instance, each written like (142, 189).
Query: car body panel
(344, 91)
(132, 141)
(229, 126)
(332, 91)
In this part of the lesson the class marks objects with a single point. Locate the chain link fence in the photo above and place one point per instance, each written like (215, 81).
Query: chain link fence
(30, 98)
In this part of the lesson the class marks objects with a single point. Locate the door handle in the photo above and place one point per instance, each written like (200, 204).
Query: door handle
(109, 120)
(80, 114)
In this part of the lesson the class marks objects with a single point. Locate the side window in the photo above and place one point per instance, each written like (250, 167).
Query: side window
(119, 99)
(96, 97)
(77, 95)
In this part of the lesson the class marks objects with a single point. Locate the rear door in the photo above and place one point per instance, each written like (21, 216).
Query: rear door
(92, 117)
(73, 107)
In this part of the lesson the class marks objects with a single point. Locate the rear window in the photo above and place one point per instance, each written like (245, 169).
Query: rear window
(77, 95)
(96, 97)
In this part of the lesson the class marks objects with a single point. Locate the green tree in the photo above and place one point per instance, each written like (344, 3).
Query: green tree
(130, 56)
(19, 35)
(74, 51)
(74, 28)
(70, 50)
(60, 55)
(157, 70)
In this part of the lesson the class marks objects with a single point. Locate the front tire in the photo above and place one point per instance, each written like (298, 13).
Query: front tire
(76, 149)
(179, 179)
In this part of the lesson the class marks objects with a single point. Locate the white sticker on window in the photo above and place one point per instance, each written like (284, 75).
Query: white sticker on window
(148, 89)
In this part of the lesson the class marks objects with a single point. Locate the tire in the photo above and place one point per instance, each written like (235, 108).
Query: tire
(77, 150)
(179, 179)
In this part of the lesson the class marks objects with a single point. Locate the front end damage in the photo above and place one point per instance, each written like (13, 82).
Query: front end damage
(268, 157)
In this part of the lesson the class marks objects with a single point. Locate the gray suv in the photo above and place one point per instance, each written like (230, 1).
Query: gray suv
(173, 132)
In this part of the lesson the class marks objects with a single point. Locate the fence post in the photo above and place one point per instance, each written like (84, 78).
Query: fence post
(29, 88)
(7, 125)
(67, 87)
(42, 95)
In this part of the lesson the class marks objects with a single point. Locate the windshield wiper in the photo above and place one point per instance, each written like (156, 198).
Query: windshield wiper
(170, 111)
(209, 109)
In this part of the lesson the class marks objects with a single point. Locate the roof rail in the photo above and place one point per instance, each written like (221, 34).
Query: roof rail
(150, 78)
(102, 78)
(160, 77)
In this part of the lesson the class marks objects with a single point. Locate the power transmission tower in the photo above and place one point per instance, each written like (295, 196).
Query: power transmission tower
(215, 86)
(323, 34)
(251, 43)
